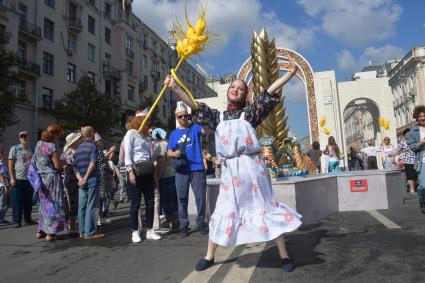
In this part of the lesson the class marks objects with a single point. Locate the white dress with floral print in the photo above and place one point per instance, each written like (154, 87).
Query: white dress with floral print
(246, 211)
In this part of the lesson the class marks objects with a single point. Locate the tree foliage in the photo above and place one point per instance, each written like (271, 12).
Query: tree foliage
(85, 106)
(8, 62)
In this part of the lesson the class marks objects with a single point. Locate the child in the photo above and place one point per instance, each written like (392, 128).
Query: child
(4, 189)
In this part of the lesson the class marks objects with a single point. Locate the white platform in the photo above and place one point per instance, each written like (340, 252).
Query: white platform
(319, 196)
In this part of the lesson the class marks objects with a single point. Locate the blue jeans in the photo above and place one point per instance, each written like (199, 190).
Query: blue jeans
(333, 166)
(199, 187)
(421, 184)
(168, 195)
(145, 186)
(22, 195)
(4, 203)
(87, 210)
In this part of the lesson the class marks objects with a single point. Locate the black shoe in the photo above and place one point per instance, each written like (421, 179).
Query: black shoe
(18, 225)
(203, 229)
(422, 206)
(204, 264)
(288, 265)
(184, 232)
(116, 204)
(30, 223)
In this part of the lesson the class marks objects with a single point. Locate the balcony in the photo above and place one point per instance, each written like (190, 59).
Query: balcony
(74, 24)
(155, 75)
(110, 71)
(29, 68)
(114, 98)
(129, 52)
(30, 30)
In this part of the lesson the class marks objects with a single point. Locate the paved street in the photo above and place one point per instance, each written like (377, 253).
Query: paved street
(346, 247)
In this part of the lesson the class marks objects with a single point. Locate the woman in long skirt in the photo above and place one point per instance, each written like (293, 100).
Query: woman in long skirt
(246, 210)
(51, 218)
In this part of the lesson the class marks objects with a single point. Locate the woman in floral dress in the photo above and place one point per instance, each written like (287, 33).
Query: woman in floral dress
(246, 210)
(52, 218)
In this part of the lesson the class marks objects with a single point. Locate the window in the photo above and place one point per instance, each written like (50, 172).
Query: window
(18, 88)
(91, 52)
(108, 87)
(145, 61)
(107, 35)
(92, 2)
(50, 3)
(72, 42)
(91, 24)
(164, 110)
(48, 29)
(21, 53)
(129, 45)
(145, 82)
(48, 63)
(107, 10)
(130, 93)
(47, 96)
(70, 75)
(91, 76)
(108, 59)
(2, 31)
(129, 67)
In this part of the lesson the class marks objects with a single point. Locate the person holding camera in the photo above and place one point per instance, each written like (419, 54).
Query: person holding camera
(185, 146)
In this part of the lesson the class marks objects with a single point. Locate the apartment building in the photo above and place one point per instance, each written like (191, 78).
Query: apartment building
(407, 82)
(59, 41)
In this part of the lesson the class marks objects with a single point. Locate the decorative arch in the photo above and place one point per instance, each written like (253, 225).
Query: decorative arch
(305, 74)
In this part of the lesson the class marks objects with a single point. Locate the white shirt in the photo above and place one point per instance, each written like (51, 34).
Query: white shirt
(136, 148)
(370, 150)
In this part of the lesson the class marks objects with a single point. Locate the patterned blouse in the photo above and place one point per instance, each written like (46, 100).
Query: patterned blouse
(254, 113)
(406, 153)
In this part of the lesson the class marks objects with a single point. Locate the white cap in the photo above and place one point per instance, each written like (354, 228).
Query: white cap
(181, 107)
(97, 137)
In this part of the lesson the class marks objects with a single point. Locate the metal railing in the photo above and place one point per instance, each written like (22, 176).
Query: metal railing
(29, 66)
(30, 28)
(74, 22)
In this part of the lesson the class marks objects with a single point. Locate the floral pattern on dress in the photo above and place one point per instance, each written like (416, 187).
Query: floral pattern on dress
(51, 215)
(70, 183)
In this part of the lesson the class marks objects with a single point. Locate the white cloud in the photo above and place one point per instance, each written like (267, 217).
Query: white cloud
(374, 55)
(355, 22)
(346, 60)
(294, 91)
(235, 19)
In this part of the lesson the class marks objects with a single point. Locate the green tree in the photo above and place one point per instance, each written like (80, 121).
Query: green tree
(85, 106)
(8, 62)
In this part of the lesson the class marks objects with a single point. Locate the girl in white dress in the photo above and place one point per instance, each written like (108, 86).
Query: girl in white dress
(246, 210)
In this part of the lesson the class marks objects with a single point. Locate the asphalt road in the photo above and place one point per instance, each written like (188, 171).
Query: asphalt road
(346, 247)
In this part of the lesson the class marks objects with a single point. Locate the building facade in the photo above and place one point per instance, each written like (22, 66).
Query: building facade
(407, 82)
(58, 42)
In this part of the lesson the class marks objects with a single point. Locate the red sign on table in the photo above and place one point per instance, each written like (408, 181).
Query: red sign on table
(358, 186)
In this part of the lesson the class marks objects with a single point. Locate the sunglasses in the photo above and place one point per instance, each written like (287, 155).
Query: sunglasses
(182, 116)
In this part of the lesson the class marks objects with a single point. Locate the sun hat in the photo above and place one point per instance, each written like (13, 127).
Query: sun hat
(70, 139)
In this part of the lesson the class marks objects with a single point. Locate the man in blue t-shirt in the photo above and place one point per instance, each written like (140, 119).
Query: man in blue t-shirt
(85, 171)
(189, 137)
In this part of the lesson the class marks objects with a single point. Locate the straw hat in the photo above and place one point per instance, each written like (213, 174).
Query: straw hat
(70, 139)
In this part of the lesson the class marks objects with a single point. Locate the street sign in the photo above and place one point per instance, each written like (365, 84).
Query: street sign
(358, 186)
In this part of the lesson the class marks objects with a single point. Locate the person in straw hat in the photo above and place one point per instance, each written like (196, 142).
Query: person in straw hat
(70, 182)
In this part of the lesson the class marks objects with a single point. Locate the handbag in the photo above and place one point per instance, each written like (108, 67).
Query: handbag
(180, 164)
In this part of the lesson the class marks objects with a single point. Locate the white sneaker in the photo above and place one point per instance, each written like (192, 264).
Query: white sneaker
(151, 235)
(135, 237)
(107, 220)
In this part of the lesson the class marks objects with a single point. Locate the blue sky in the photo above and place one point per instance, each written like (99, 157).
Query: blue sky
(340, 35)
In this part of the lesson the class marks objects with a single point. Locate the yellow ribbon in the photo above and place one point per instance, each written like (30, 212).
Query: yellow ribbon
(180, 83)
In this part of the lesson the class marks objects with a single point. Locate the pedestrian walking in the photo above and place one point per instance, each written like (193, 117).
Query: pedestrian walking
(51, 219)
(22, 193)
(246, 210)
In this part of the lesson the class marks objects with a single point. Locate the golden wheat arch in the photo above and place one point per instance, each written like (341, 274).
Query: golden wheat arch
(305, 74)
